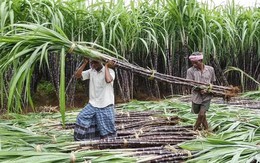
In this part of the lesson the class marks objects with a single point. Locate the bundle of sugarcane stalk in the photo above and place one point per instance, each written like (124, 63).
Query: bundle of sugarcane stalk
(148, 135)
(216, 90)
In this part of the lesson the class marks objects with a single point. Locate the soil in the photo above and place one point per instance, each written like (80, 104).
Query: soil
(43, 100)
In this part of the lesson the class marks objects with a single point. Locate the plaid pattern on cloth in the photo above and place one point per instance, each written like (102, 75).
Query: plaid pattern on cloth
(83, 133)
(95, 123)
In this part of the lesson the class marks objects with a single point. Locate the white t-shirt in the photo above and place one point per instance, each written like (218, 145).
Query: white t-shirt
(101, 93)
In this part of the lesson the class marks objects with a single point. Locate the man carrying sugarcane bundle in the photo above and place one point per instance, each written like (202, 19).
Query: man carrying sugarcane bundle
(200, 97)
(97, 119)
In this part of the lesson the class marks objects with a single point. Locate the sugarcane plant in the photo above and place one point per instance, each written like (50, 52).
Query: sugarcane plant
(29, 52)
(32, 50)
(162, 34)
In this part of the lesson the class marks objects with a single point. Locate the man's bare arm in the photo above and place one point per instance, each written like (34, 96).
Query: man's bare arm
(78, 72)
(108, 76)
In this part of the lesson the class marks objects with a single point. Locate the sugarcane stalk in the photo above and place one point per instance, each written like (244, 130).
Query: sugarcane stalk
(147, 123)
(137, 114)
(119, 143)
(166, 137)
(171, 158)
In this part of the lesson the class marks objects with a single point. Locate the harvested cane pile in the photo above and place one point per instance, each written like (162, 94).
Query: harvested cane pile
(146, 134)
(216, 90)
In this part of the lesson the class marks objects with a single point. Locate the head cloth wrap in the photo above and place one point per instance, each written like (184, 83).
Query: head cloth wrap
(196, 56)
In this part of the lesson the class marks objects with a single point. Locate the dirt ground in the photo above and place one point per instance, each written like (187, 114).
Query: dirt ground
(80, 100)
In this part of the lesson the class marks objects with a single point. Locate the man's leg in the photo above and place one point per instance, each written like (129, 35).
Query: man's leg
(196, 110)
(205, 123)
(205, 107)
(202, 116)
(106, 121)
(197, 124)
(85, 127)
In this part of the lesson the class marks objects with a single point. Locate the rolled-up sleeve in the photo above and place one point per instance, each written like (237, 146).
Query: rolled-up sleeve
(85, 74)
(112, 73)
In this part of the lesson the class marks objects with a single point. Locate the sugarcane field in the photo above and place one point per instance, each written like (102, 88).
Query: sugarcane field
(126, 81)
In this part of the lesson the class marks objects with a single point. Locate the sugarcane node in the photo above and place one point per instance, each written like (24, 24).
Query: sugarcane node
(38, 148)
(188, 153)
(170, 148)
(72, 157)
(136, 135)
(54, 140)
(125, 142)
(152, 118)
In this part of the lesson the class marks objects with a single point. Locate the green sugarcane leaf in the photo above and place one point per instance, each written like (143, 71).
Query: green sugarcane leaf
(20, 76)
(215, 153)
(219, 141)
(145, 44)
(236, 157)
(28, 88)
(233, 126)
(62, 91)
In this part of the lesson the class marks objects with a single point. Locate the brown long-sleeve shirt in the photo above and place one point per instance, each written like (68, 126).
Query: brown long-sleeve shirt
(205, 76)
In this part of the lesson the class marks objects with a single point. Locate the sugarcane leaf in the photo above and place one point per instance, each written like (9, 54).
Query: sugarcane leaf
(236, 157)
(20, 75)
(28, 88)
(145, 44)
(44, 54)
(219, 141)
(233, 126)
(215, 153)
(195, 145)
(14, 128)
(62, 91)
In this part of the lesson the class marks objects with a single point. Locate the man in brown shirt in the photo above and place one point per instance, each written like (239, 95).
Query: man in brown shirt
(200, 98)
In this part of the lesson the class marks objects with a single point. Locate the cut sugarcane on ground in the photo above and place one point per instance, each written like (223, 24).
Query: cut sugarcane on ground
(148, 131)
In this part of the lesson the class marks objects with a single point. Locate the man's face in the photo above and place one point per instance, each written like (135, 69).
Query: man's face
(196, 64)
(95, 65)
